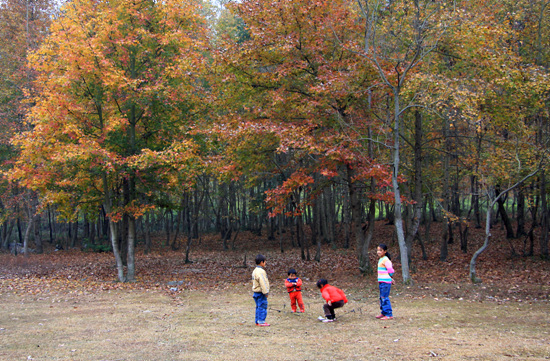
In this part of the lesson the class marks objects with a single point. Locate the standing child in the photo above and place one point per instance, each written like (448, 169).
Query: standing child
(385, 273)
(260, 287)
(294, 287)
(335, 298)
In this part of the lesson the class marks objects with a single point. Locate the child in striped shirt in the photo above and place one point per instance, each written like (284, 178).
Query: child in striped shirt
(385, 273)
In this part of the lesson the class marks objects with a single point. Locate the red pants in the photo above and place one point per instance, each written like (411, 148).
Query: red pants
(296, 296)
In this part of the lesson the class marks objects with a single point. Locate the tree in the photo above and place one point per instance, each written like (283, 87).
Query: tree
(398, 37)
(119, 86)
(24, 26)
(290, 80)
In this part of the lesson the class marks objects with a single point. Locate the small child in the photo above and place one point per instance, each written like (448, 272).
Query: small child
(294, 287)
(260, 287)
(335, 298)
(385, 273)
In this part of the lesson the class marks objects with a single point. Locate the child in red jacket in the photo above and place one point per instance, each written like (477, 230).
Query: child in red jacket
(294, 287)
(335, 298)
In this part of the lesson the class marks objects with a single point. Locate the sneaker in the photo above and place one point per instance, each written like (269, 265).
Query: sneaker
(387, 318)
(328, 320)
(265, 324)
(379, 316)
(301, 311)
(321, 318)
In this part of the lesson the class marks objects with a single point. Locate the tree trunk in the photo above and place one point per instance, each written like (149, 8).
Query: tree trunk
(413, 221)
(19, 232)
(446, 197)
(131, 269)
(116, 251)
(520, 195)
(397, 193)
(463, 232)
(50, 225)
(147, 231)
(6, 233)
(543, 240)
(475, 201)
(315, 229)
(444, 248)
(280, 231)
(38, 248)
(113, 227)
(504, 215)
(168, 216)
(74, 235)
(26, 238)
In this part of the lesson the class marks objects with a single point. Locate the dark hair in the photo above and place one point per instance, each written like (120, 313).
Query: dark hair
(385, 248)
(322, 282)
(260, 258)
(292, 271)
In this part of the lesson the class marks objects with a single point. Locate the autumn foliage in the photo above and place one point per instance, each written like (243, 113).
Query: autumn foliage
(309, 117)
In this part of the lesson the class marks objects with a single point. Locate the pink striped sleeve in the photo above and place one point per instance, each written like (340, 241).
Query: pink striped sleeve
(389, 266)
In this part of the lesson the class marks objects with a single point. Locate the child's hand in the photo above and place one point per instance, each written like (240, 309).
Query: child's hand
(392, 281)
(329, 303)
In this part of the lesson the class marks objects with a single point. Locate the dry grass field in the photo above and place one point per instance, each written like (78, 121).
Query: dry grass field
(130, 324)
(68, 306)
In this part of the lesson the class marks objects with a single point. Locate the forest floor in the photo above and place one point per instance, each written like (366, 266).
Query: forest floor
(67, 305)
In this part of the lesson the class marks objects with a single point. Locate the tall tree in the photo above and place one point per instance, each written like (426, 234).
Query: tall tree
(119, 87)
(398, 37)
(290, 80)
(24, 26)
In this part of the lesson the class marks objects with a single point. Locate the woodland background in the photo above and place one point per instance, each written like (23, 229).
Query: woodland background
(310, 124)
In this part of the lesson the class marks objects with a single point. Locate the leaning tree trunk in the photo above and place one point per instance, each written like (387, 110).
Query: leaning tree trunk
(473, 276)
(113, 227)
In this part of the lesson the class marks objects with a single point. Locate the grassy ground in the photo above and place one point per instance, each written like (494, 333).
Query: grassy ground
(133, 324)
(68, 306)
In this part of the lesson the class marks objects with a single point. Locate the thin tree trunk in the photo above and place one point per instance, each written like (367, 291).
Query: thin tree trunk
(147, 230)
(116, 251)
(26, 238)
(504, 215)
(543, 240)
(414, 218)
(520, 195)
(404, 252)
(315, 239)
(38, 248)
(131, 269)
(446, 197)
(50, 225)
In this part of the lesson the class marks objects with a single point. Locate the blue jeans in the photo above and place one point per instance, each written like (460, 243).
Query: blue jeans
(385, 305)
(261, 307)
